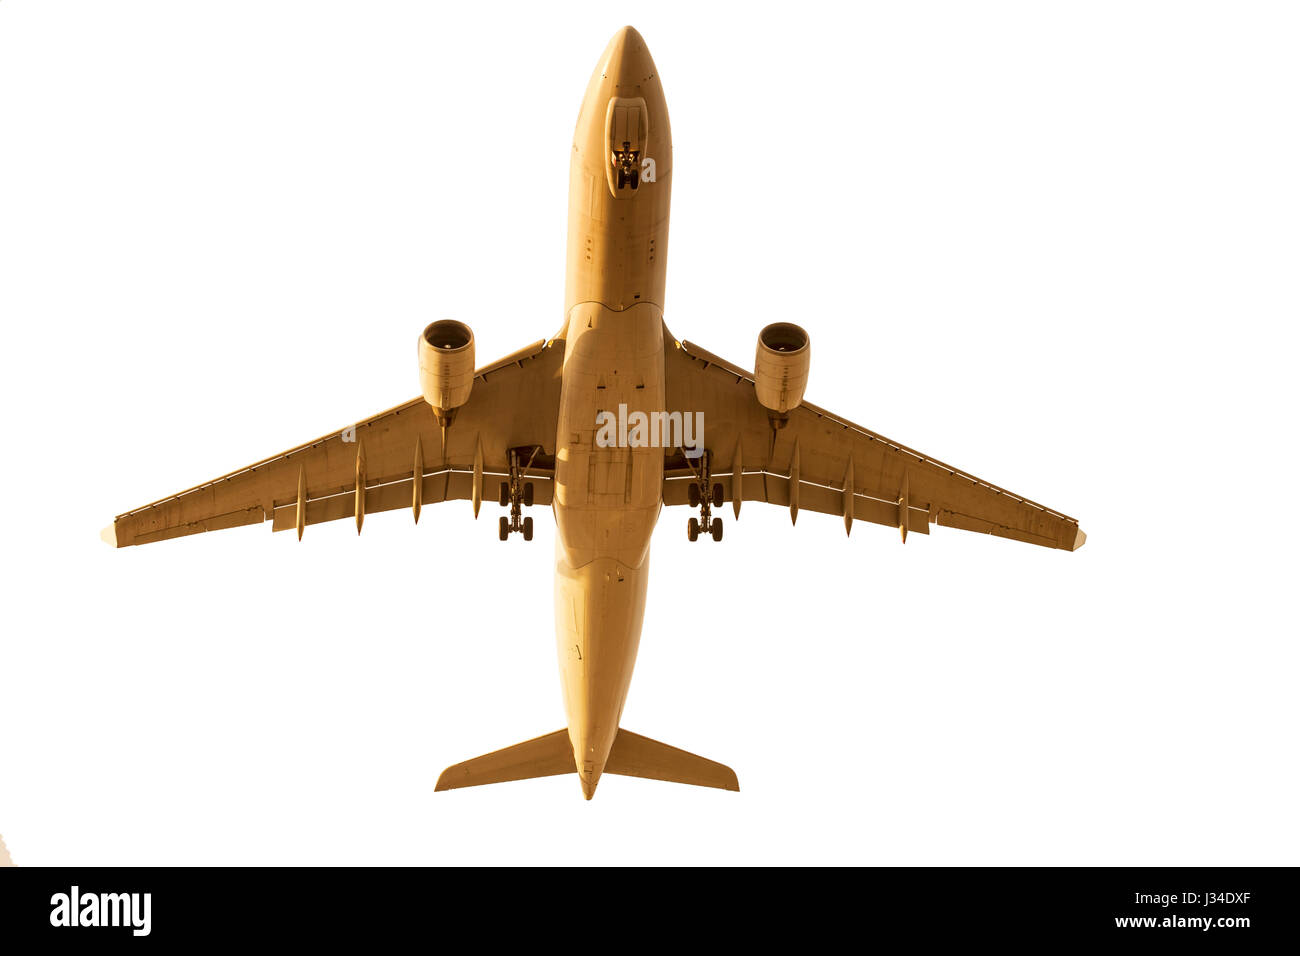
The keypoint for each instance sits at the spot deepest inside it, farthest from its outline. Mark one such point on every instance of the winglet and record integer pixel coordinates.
(109, 535)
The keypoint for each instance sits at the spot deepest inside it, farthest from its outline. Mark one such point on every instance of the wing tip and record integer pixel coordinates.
(1079, 539)
(109, 535)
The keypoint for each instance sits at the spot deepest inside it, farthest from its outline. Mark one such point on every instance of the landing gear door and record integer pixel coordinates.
(625, 131)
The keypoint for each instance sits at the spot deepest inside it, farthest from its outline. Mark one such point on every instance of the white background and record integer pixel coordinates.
(1055, 245)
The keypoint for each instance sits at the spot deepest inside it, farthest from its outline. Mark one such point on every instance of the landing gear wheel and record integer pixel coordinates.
(693, 528)
(503, 529)
(503, 496)
(528, 494)
(716, 528)
(717, 496)
(528, 529)
(693, 495)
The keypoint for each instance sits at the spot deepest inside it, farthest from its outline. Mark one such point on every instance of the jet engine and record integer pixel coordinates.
(446, 367)
(781, 367)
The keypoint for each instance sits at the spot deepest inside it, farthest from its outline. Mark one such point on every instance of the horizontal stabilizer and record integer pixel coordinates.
(635, 756)
(539, 757)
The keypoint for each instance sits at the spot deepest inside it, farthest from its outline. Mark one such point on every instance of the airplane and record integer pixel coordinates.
(537, 428)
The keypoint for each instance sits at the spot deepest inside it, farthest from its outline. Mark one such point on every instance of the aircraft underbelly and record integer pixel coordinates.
(609, 481)
(598, 610)
(608, 478)
(608, 492)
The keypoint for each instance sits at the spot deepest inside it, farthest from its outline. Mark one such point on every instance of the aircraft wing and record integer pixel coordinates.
(375, 464)
(821, 462)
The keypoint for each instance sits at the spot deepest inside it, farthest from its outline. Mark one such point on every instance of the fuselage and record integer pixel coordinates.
(607, 499)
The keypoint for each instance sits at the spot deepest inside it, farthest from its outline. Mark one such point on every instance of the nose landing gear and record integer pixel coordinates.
(627, 165)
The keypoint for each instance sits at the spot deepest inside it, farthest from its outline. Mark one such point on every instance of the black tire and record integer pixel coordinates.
(528, 494)
(717, 496)
(503, 529)
(692, 529)
(716, 529)
(528, 529)
(693, 496)
(503, 495)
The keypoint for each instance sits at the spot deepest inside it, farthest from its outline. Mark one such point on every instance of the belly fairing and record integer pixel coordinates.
(607, 497)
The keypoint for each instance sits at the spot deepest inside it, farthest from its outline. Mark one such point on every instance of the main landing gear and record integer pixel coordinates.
(706, 496)
(518, 494)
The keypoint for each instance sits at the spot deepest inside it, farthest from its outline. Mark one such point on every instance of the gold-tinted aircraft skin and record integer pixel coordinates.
(528, 425)
(607, 500)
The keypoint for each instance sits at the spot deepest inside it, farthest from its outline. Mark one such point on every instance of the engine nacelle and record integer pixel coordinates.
(781, 367)
(446, 367)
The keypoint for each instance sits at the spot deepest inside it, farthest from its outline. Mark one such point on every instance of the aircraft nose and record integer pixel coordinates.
(627, 59)
(626, 34)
